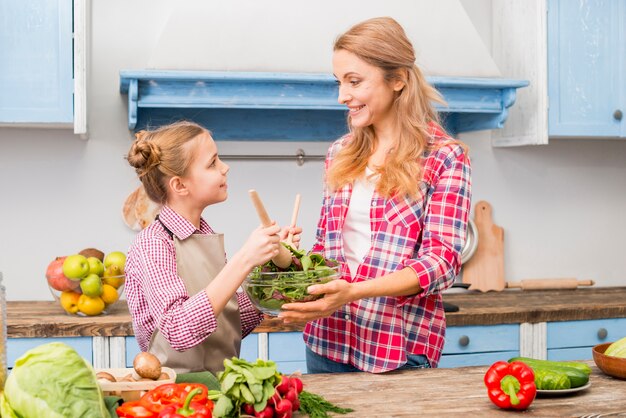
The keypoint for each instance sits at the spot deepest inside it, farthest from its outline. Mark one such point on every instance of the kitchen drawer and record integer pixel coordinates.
(16, 347)
(288, 350)
(584, 333)
(570, 354)
(476, 359)
(249, 349)
(482, 339)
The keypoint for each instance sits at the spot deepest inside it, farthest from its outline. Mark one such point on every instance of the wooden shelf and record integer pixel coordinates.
(289, 106)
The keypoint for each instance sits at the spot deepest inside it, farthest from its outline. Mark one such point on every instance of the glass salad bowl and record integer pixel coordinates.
(269, 290)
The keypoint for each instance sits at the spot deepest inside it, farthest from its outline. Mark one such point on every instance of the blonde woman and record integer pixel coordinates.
(395, 212)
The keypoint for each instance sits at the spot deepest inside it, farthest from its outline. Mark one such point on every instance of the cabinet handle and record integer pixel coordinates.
(617, 115)
(464, 341)
(602, 333)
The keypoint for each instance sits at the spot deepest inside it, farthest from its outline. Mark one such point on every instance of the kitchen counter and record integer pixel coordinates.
(28, 319)
(455, 392)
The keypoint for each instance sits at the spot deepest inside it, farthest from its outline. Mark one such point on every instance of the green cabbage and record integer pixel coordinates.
(52, 381)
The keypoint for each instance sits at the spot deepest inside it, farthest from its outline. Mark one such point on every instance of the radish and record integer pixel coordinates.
(283, 386)
(283, 408)
(294, 382)
(268, 412)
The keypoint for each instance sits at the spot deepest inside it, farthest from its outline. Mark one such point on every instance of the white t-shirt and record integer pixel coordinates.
(357, 229)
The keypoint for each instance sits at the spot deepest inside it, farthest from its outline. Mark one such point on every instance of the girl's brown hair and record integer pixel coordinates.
(162, 153)
(382, 42)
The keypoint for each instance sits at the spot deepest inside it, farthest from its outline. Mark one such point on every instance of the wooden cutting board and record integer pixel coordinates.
(485, 270)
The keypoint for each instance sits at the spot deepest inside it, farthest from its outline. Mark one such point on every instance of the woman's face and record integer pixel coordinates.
(362, 87)
(206, 176)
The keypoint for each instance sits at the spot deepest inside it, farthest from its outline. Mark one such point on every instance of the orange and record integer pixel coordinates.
(109, 294)
(90, 305)
(69, 301)
(115, 281)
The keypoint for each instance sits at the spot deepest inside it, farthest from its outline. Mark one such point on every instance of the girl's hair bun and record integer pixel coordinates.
(144, 154)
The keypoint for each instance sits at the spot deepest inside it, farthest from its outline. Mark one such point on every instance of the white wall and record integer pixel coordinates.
(561, 205)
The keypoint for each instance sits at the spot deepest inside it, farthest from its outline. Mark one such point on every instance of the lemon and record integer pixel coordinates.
(109, 294)
(69, 301)
(90, 305)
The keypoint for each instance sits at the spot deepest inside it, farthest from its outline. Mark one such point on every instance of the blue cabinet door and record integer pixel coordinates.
(36, 80)
(16, 347)
(573, 340)
(586, 67)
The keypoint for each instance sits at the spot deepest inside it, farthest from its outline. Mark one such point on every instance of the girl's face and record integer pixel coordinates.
(362, 87)
(206, 176)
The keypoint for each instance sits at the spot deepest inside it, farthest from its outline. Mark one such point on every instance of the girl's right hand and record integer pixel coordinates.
(262, 245)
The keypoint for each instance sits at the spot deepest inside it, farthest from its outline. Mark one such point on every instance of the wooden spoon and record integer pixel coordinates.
(283, 259)
(294, 219)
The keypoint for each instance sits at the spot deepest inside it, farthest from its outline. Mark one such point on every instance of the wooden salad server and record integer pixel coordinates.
(294, 219)
(283, 259)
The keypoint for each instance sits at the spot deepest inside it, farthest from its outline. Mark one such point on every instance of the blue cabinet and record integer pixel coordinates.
(480, 345)
(587, 68)
(573, 340)
(16, 347)
(36, 80)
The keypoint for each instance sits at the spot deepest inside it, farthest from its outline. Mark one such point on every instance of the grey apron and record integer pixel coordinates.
(199, 258)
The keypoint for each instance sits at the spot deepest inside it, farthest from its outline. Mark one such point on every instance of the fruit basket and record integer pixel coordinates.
(269, 290)
(87, 283)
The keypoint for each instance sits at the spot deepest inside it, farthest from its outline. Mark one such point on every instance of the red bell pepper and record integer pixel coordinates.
(163, 396)
(134, 410)
(188, 408)
(511, 385)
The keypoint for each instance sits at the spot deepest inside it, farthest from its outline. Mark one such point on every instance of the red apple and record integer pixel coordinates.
(56, 278)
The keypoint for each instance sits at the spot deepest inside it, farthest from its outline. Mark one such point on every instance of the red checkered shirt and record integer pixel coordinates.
(426, 235)
(157, 297)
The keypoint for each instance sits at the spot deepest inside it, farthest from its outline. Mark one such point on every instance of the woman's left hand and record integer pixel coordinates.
(295, 239)
(336, 294)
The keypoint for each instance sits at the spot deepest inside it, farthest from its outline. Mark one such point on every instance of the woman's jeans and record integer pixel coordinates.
(320, 364)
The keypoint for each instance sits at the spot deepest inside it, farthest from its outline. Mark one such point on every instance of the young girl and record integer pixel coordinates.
(181, 293)
(395, 211)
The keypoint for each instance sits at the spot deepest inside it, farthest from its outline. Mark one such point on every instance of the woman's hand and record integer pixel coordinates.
(295, 231)
(336, 294)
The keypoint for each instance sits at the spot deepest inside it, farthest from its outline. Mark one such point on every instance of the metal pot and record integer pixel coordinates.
(471, 243)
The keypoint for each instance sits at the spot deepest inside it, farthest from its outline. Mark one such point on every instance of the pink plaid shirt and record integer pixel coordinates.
(157, 297)
(427, 235)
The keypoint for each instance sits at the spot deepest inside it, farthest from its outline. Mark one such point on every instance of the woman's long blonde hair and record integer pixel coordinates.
(382, 42)
(162, 153)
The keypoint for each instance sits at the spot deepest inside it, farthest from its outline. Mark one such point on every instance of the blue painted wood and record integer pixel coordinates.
(132, 349)
(475, 359)
(16, 347)
(569, 354)
(286, 346)
(250, 347)
(289, 367)
(570, 334)
(482, 339)
(36, 80)
(586, 67)
(289, 106)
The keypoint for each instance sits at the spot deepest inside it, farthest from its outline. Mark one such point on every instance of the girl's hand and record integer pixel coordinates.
(262, 245)
(295, 239)
(336, 294)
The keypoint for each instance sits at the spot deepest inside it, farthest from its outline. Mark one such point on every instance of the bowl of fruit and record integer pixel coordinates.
(269, 287)
(87, 283)
(611, 358)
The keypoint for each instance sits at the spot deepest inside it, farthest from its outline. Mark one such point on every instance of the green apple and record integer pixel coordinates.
(95, 266)
(116, 258)
(75, 267)
(91, 285)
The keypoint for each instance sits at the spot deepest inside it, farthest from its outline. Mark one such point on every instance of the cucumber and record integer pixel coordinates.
(546, 379)
(576, 375)
(548, 363)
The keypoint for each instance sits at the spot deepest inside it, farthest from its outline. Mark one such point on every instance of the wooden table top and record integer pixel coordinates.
(455, 392)
(47, 319)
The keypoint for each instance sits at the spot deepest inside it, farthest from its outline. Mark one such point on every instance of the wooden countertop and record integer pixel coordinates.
(26, 319)
(455, 392)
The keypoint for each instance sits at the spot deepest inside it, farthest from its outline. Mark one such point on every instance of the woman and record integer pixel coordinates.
(395, 211)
